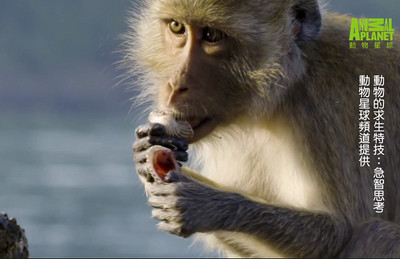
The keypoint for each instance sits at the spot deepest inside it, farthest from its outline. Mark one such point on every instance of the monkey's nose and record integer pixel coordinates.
(176, 92)
(182, 89)
(178, 87)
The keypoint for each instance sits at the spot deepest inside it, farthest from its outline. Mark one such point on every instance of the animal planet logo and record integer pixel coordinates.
(377, 31)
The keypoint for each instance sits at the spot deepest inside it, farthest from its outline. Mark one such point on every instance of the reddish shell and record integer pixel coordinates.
(163, 161)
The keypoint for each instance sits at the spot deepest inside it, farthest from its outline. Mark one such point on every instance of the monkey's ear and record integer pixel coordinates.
(307, 20)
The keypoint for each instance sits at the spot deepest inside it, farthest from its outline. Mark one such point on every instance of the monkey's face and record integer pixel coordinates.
(203, 59)
(198, 86)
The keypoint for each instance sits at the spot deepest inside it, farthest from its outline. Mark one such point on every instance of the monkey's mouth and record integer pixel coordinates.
(195, 123)
(201, 127)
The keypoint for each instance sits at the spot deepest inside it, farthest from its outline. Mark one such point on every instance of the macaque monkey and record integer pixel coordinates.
(270, 89)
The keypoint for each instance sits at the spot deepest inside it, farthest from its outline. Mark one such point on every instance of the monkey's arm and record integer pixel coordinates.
(187, 203)
(185, 206)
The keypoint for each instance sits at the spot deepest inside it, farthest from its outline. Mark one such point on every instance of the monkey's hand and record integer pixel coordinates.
(186, 206)
(149, 135)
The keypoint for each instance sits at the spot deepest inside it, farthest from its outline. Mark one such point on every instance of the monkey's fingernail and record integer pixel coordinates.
(181, 156)
(150, 178)
(180, 144)
(157, 130)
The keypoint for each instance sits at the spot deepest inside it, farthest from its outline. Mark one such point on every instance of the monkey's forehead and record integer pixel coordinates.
(231, 15)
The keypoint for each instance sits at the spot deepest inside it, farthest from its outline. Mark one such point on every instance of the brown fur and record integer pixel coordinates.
(280, 74)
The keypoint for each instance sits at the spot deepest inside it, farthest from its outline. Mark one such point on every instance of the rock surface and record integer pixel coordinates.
(13, 243)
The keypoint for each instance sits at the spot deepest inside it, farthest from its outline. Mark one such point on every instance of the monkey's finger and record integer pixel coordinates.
(157, 129)
(162, 202)
(175, 176)
(141, 144)
(146, 179)
(170, 142)
(142, 172)
(153, 129)
(173, 228)
(143, 131)
(162, 189)
(143, 180)
(170, 227)
(140, 157)
(181, 156)
(166, 215)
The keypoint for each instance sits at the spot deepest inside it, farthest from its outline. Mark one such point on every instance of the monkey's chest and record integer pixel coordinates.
(267, 165)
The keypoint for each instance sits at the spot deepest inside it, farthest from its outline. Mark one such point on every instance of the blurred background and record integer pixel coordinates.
(66, 129)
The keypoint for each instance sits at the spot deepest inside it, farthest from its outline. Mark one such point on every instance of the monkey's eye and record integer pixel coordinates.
(213, 35)
(176, 27)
